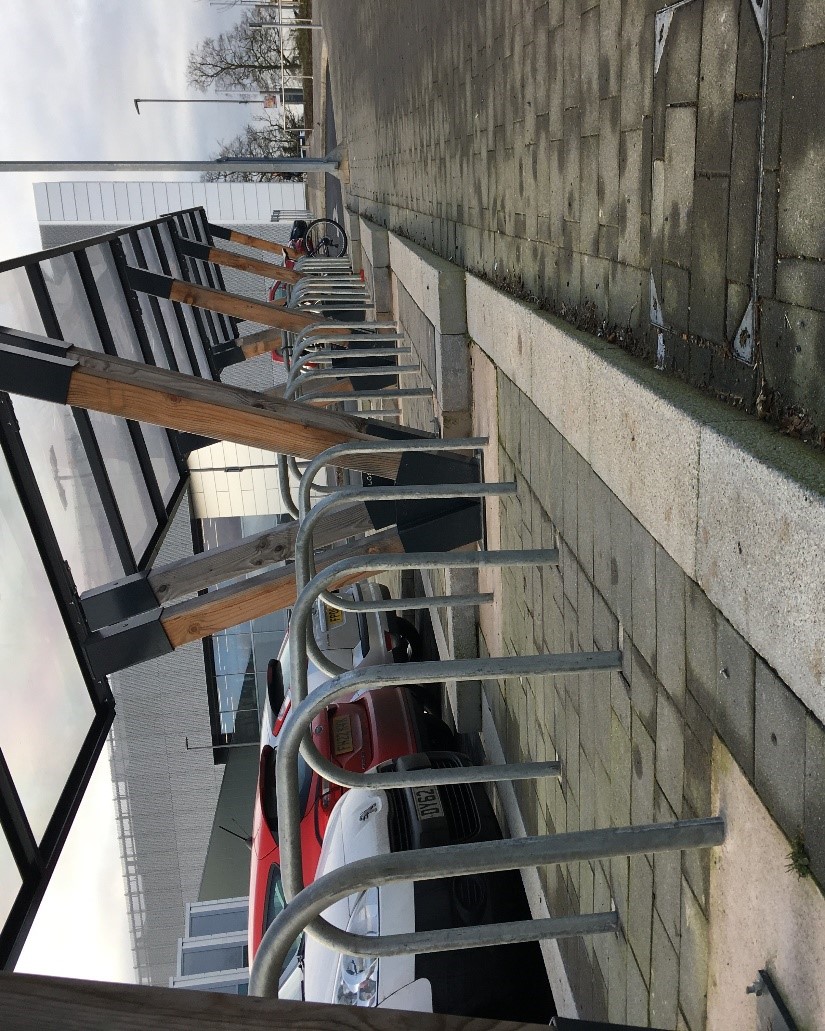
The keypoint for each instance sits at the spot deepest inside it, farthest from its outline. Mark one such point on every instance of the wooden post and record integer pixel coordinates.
(228, 606)
(31, 1002)
(197, 572)
(235, 236)
(263, 341)
(144, 393)
(237, 305)
(254, 265)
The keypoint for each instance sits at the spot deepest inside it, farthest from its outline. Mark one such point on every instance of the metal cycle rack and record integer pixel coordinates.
(302, 913)
(305, 905)
(372, 342)
(306, 706)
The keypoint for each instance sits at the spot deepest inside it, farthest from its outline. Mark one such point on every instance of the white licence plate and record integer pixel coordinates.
(334, 616)
(341, 735)
(427, 803)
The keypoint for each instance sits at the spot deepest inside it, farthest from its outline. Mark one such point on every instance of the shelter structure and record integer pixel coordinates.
(111, 350)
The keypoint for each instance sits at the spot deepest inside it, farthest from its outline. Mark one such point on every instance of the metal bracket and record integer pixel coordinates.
(744, 341)
(34, 366)
(663, 20)
(117, 601)
(771, 1012)
(760, 10)
(125, 644)
(657, 317)
(146, 282)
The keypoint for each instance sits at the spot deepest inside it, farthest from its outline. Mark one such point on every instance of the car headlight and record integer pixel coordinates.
(357, 976)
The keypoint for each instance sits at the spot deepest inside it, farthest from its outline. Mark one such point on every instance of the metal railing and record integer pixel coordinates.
(306, 904)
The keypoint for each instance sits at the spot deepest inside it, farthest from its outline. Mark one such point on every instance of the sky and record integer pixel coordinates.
(69, 70)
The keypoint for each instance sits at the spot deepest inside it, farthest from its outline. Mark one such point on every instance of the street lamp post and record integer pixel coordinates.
(193, 100)
(328, 163)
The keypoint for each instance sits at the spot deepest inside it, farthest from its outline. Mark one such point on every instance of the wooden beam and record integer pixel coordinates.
(29, 1001)
(240, 307)
(235, 236)
(263, 341)
(197, 572)
(333, 386)
(228, 606)
(144, 393)
(254, 265)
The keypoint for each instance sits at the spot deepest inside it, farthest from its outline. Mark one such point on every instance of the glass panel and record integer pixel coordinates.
(10, 880)
(122, 203)
(41, 202)
(238, 202)
(45, 693)
(214, 958)
(135, 204)
(74, 315)
(59, 460)
(125, 337)
(232, 652)
(55, 202)
(69, 205)
(188, 314)
(147, 196)
(95, 201)
(107, 195)
(162, 206)
(81, 199)
(152, 331)
(173, 197)
(186, 196)
(199, 194)
(170, 319)
(71, 306)
(218, 922)
(267, 646)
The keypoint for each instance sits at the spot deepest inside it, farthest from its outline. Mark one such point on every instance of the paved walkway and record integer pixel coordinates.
(533, 142)
(535, 145)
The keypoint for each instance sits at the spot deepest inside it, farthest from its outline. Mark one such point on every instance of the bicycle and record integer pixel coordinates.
(323, 238)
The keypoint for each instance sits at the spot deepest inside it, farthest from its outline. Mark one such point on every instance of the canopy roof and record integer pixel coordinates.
(85, 499)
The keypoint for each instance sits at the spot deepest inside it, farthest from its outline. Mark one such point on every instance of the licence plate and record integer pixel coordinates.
(341, 734)
(334, 616)
(427, 803)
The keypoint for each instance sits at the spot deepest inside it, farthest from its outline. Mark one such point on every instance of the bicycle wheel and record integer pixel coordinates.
(325, 238)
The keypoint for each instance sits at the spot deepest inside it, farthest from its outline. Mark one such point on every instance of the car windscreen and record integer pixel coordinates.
(269, 802)
(275, 903)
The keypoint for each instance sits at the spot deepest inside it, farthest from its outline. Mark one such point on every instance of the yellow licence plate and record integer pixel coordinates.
(341, 734)
(334, 616)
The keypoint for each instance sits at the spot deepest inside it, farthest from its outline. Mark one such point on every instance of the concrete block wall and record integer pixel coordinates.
(667, 555)
(375, 258)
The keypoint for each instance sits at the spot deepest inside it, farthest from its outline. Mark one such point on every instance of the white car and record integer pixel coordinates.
(350, 640)
(501, 982)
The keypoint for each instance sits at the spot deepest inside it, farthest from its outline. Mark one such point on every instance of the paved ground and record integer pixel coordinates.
(533, 142)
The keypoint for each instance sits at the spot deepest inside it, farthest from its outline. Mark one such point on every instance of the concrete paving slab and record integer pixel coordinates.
(779, 750)
(762, 915)
(754, 556)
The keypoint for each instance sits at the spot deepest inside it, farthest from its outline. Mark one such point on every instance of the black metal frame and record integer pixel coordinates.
(213, 334)
(97, 650)
(36, 862)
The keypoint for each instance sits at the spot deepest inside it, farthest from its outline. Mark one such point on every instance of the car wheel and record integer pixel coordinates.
(409, 648)
(441, 738)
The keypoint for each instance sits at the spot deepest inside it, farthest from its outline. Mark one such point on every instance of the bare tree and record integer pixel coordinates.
(243, 58)
(262, 138)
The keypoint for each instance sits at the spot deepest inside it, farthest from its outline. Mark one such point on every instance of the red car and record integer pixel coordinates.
(356, 734)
